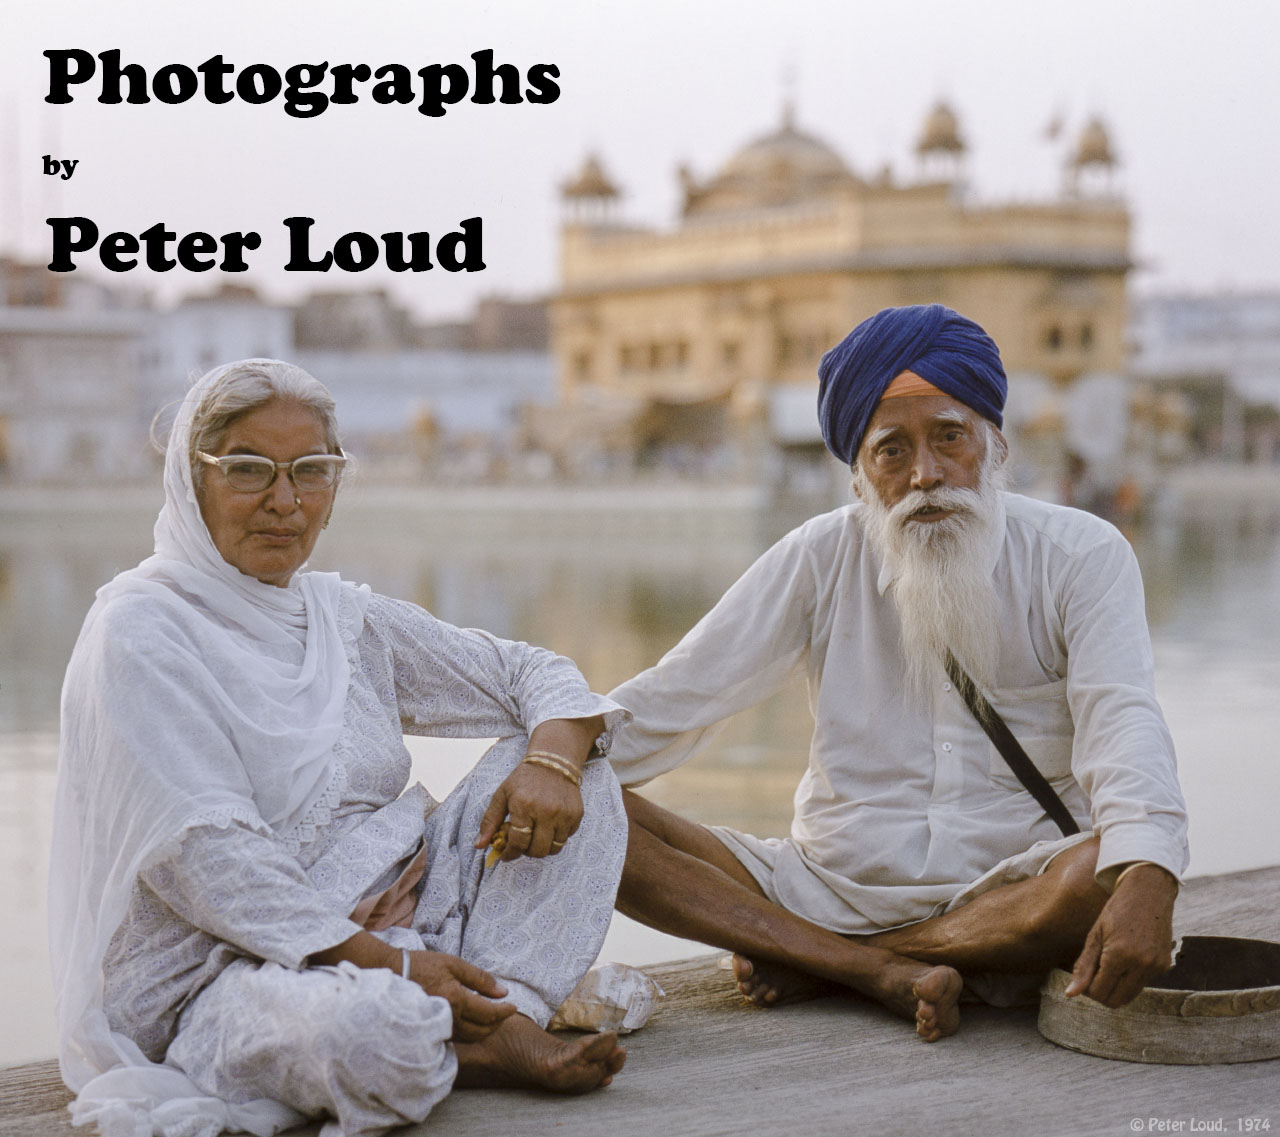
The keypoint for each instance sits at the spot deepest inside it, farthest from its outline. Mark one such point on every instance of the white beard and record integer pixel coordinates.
(942, 584)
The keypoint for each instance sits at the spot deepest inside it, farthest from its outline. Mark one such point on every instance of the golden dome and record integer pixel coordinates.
(590, 182)
(941, 132)
(1094, 146)
(784, 166)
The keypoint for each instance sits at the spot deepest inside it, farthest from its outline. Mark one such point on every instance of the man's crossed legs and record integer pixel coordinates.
(681, 879)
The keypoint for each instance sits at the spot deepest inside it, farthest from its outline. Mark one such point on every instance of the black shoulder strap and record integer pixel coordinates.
(1010, 748)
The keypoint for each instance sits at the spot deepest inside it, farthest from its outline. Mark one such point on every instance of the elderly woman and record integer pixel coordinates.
(253, 921)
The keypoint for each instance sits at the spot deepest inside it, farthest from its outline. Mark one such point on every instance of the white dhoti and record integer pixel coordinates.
(759, 855)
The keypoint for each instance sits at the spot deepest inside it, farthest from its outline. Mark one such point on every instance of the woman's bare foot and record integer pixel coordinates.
(775, 985)
(521, 1053)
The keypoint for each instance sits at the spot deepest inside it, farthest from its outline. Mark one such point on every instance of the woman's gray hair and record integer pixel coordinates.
(244, 387)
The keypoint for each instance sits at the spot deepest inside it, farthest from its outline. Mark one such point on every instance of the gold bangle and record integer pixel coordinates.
(557, 763)
(561, 766)
(550, 756)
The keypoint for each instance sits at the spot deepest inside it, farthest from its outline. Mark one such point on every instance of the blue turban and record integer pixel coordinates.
(939, 345)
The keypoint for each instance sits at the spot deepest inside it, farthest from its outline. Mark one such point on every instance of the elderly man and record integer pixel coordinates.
(918, 864)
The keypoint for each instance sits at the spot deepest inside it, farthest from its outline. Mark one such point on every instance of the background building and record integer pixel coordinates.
(708, 329)
(200, 332)
(69, 375)
(691, 351)
(1213, 361)
(85, 367)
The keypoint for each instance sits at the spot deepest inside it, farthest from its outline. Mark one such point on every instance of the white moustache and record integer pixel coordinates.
(958, 501)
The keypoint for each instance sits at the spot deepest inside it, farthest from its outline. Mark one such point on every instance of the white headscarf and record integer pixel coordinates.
(195, 695)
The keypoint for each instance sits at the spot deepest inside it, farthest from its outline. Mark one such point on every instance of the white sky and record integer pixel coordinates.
(1189, 89)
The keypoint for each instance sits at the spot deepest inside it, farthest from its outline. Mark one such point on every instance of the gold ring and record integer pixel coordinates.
(557, 844)
(520, 828)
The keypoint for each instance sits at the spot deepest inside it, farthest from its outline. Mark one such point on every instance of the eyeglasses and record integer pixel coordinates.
(250, 473)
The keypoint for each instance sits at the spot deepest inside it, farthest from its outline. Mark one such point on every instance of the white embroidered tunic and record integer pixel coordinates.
(234, 891)
(906, 802)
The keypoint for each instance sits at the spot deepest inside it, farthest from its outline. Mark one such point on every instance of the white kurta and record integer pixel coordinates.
(905, 802)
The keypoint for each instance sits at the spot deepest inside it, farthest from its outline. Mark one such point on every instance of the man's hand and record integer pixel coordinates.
(1131, 941)
(470, 992)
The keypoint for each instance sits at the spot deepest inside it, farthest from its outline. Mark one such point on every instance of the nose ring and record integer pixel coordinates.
(297, 500)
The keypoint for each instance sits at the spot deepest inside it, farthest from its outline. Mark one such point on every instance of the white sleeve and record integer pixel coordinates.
(462, 683)
(737, 655)
(243, 888)
(1122, 753)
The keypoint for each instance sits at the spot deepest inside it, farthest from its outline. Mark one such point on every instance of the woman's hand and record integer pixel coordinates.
(470, 991)
(539, 809)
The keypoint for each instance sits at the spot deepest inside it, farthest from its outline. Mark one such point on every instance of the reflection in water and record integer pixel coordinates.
(615, 603)
(1215, 582)
(615, 600)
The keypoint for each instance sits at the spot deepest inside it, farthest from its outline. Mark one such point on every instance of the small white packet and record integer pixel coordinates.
(611, 996)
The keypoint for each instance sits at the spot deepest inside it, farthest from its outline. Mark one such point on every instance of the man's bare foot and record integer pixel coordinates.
(924, 992)
(774, 985)
(521, 1053)
(929, 994)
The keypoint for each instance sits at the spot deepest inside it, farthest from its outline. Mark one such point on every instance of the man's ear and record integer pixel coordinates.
(853, 485)
(1000, 442)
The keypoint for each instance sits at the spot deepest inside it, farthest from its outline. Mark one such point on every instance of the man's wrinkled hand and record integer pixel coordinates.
(1131, 941)
(470, 991)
